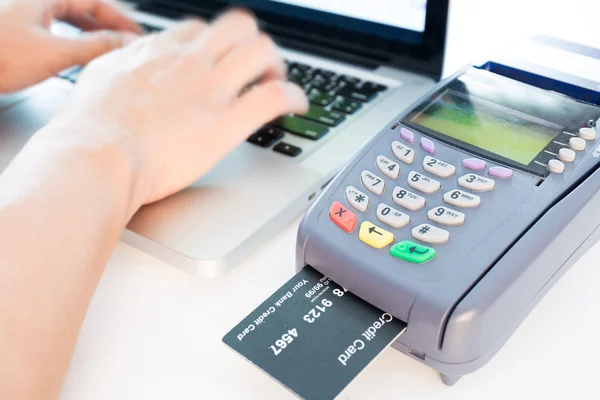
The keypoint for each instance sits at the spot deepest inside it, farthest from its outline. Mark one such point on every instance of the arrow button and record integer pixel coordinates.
(412, 252)
(374, 236)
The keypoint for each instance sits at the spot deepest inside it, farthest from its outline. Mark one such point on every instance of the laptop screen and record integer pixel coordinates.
(406, 14)
(398, 20)
(409, 34)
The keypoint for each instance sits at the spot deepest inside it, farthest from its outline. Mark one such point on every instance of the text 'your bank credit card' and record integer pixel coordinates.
(313, 336)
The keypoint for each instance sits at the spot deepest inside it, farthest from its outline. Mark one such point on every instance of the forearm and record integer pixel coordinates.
(62, 209)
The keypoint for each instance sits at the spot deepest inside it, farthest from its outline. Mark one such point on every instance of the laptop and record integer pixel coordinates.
(360, 63)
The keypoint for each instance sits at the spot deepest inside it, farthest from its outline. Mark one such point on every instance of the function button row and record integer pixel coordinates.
(408, 199)
(587, 133)
(577, 144)
(423, 183)
(500, 172)
(388, 167)
(462, 199)
(430, 234)
(446, 216)
(403, 153)
(438, 167)
(342, 217)
(357, 199)
(556, 166)
(392, 217)
(474, 163)
(407, 135)
(427, 145)
(566, 155)
(477, 183)
(372, 182)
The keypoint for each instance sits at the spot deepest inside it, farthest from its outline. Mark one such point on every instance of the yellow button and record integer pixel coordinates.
(375, 236)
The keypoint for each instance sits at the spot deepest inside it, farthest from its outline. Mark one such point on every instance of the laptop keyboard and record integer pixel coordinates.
(333, 98)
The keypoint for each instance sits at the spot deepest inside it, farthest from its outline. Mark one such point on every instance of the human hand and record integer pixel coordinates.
(29, 53)
(170, 104)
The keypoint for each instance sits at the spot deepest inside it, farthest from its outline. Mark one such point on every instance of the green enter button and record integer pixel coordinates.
(412, 252)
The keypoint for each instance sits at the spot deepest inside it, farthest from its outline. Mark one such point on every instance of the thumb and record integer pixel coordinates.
(88, 46)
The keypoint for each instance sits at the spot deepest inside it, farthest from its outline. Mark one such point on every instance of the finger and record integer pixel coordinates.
(187, 31)
(263, 104)
(86, 47)
(226, 32)
(260, 59)
(105, 15)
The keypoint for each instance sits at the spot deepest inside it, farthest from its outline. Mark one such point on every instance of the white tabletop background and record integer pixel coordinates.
(153, 332)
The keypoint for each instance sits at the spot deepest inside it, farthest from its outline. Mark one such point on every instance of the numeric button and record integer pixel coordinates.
(388, 167)
(357, 199)
(446, 216)
(392, 217)
(403, 153)
(408, 199)
(372, 182)
(423, 183)
(438, 167)
(430, 234)
(477, 183)
(462, 199)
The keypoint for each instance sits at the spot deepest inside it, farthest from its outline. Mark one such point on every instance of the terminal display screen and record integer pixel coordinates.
(502, 119)
(488, 126)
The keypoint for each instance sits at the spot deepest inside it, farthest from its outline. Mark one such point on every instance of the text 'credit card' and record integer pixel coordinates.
(313, 336)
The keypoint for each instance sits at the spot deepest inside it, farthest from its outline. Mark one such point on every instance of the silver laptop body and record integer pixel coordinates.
(213, 225)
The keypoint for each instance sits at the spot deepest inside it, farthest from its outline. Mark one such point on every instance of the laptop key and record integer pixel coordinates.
(287, 149)
(375, 86)
(345, 105)
(300, 66)
(266, 137)
(363, 93)
(325, 73)
(319, 114)
(350, 79)
(320, 98)
(324, 85)
(301, 127)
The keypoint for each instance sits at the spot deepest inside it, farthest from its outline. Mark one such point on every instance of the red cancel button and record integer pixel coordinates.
(342, 217)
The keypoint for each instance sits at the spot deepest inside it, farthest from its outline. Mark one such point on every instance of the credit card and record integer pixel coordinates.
(313, 336)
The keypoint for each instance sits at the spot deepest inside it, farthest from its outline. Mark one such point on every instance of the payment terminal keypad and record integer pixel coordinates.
(409, 201)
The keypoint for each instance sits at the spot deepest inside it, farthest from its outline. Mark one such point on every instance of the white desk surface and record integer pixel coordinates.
(153, 332)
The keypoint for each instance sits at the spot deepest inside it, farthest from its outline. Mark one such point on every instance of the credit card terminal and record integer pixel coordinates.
(463, 212)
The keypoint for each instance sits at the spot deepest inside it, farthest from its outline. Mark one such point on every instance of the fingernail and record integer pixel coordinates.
(128, 38)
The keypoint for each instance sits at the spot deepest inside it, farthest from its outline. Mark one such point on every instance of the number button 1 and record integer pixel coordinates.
(388, 167)
(392, 217)
(372, 182)
(403, 153)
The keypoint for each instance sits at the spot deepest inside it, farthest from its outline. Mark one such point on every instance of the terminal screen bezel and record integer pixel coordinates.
(566, 128)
